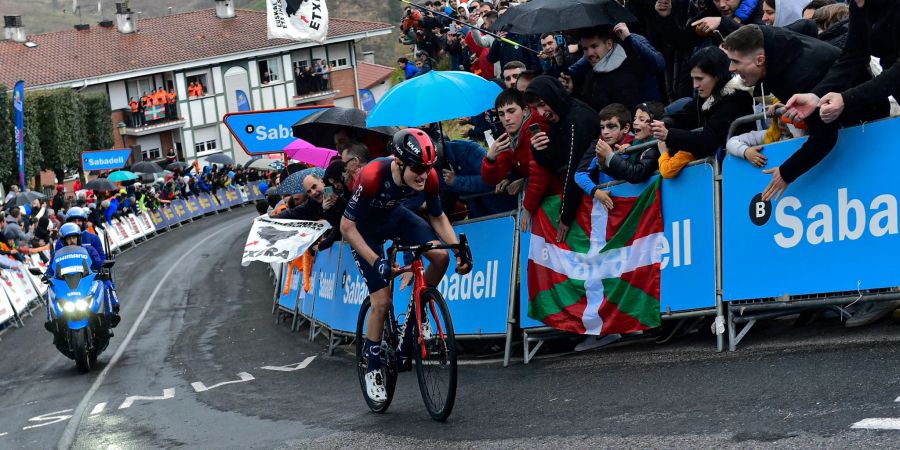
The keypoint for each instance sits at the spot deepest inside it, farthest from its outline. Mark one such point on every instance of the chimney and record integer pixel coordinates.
(124, 20)
(13, 29)
(225, 9)
(369, 57)
(106, 23)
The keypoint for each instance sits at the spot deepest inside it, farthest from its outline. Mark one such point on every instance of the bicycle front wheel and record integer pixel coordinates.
(437, 369)
(388, 359)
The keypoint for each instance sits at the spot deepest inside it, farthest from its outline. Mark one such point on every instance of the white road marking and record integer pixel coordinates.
(98, 408)
(200, 387)
(875, 423)
(49, 416)
(3, 434)
(897, 400)
(167, 394)
(291, 367)
(68, 436)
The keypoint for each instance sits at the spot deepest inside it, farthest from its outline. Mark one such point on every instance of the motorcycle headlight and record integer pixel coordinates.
(69, 307)
(81, 305)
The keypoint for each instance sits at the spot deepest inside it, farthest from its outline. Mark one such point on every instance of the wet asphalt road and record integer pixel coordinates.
(206, 367)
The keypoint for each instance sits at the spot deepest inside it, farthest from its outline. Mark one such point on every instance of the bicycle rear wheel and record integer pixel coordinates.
(388, 358)
(437, 370)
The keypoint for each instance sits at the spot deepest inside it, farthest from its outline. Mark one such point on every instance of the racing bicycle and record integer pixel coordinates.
(425, 333)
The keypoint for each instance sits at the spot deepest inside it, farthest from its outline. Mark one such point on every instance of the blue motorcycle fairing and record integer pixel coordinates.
(88, 285)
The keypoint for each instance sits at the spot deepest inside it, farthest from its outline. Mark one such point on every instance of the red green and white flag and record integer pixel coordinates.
(605, 277)
(155, 112)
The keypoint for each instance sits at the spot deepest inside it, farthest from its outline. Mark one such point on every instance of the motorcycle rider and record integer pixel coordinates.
(70, 235)
(79, 216)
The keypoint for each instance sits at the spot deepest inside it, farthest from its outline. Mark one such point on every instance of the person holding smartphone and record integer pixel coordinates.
(507, 164)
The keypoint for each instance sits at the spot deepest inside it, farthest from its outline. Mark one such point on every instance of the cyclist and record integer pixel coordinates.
(375, 214)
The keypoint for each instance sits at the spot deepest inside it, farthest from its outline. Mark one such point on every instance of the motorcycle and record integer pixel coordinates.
(76, 312)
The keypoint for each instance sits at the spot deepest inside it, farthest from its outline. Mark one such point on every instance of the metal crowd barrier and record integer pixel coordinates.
(728, 311)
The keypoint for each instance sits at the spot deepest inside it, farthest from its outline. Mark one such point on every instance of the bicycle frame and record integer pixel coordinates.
(417, 268)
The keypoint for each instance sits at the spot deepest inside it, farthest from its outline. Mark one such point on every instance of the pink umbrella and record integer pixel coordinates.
(303, 151)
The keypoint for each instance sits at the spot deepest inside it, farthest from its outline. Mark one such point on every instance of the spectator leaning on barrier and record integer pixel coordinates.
(785, 63)
(572, 125)
(615, 123)
(721, 98)
(508, 161)
(461, 174)
(15, 233)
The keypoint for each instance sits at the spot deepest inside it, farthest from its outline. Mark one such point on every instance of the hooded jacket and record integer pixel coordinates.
(713, 115)
(836, 34)
(788, 11)
(569, 137)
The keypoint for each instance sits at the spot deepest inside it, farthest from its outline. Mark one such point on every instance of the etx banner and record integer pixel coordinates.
(688, 265)
(104, 159)
(19, 128)
(269, 131)
(479, 300)
(835, 229)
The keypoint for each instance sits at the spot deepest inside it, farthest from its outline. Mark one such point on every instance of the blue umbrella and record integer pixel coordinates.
(122, 175)
(294, 183)
(433, 97)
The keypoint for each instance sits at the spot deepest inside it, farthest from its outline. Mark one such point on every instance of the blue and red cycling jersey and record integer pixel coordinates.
(377, 195)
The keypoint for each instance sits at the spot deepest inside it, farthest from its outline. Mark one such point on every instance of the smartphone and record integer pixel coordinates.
(497, 129)
(453, 28)
(534, 129)
(329, 191)
(560, 40)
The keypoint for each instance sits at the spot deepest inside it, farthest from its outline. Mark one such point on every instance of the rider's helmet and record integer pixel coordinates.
(70, 229)
(76, 213)
(414, 148)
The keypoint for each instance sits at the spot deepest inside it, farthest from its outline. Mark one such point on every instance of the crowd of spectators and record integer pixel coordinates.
(31, 227)
(156, 106)
(312, 79)
(574, 101)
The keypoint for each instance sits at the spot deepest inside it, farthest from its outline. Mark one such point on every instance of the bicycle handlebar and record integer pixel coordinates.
(463, 247)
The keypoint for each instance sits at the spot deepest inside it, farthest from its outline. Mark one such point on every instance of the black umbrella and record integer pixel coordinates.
(146, 167)
(546, 16)
(24, 198)
(220, 158)
(178, 165)
(100, 184)
(318, 129)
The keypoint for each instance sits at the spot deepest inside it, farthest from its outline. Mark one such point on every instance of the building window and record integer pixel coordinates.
(139, 87)
(205, 146)
(151, 154)
(198, 85)
(340, 62)
(269, 70)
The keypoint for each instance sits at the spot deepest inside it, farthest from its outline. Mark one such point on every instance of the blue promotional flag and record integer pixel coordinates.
(367, 99)
(19, 118)
(243, 103)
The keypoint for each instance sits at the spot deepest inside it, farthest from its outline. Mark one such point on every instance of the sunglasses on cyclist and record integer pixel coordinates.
(418, 169)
